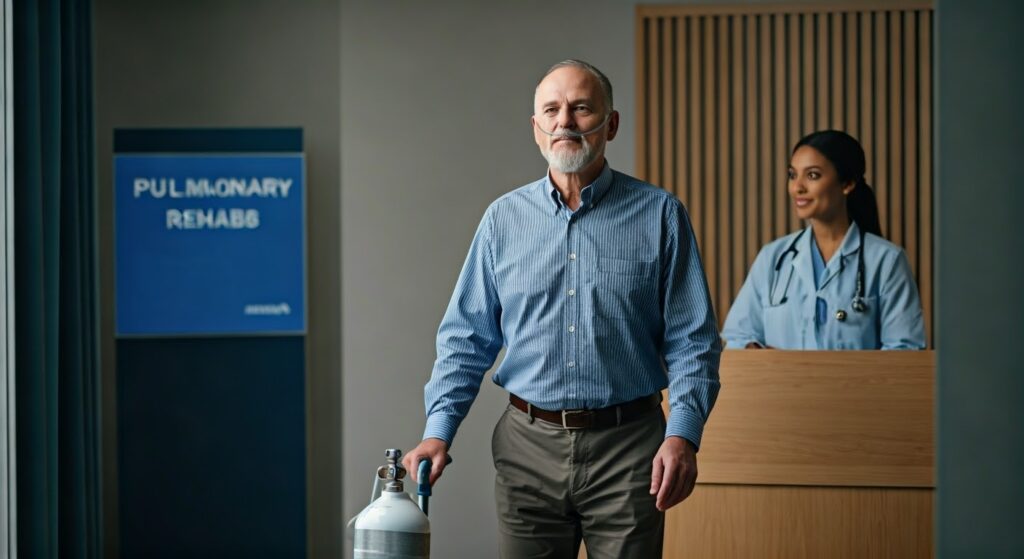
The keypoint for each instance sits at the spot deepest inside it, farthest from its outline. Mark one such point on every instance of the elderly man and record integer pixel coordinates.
(592, 281)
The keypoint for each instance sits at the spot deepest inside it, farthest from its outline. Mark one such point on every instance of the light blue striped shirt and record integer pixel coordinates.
(595, 307)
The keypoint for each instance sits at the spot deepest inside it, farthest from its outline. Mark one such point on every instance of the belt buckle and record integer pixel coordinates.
(566, 413)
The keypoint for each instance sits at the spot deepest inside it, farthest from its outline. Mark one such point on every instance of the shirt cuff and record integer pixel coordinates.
(441, 426)
(685, 425)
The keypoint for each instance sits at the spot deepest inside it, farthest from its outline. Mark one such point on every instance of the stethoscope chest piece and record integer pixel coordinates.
(858, 304)
(841, 315)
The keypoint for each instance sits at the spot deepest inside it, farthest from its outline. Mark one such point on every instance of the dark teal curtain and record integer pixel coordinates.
(58, 459)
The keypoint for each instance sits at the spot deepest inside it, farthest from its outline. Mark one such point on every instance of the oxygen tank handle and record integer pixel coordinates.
(423, 478)
(423, 482)
(423, 475)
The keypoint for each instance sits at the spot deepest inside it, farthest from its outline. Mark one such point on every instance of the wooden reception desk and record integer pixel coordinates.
(814, 454)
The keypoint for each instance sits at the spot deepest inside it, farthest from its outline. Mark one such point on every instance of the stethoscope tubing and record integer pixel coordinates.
(858, 299)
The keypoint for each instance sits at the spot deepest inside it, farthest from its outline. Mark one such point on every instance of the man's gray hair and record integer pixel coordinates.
(606, 84)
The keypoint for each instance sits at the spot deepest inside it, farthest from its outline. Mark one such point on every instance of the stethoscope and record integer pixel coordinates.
(858, 304)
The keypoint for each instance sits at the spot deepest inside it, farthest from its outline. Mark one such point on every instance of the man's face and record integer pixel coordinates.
(570, 100)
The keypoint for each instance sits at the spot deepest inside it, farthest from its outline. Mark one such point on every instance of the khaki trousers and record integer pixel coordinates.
(555, 488)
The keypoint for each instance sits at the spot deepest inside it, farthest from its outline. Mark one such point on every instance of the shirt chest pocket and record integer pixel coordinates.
(625, 288)
(857, 330)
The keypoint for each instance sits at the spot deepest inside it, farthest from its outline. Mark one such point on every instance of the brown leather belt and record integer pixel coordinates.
(586, 419)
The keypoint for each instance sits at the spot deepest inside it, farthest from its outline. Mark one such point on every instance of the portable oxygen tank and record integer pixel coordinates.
(392, 526)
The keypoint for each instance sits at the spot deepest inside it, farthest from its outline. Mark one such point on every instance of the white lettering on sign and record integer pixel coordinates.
(219, 187)
(268, 310)
(210, 218)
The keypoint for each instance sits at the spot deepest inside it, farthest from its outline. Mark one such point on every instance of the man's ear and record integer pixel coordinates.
(613, 125)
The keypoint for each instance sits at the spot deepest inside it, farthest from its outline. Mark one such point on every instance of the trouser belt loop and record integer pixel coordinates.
(618, 415)
(529, 411)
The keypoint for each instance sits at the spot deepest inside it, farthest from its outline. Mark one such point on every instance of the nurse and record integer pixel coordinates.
(837, 284)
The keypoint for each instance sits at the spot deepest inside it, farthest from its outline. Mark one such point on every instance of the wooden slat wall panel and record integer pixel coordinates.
(725, 91)
(910, 163)
(880, 159)
(893, 229)
(723, 195)
(667, 79)
(924, 256)
(838, 93)
(710, 183)
(850, 61)
(750, 177)
(867, 98)
(737, 200)
(654, 118)
(696, 125)
(770, 186)
(795, 95)
(682, 92)
(821, 58)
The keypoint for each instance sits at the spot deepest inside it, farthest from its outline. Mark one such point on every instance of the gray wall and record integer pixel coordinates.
(980, 197)
(436, 99)
(235, 63)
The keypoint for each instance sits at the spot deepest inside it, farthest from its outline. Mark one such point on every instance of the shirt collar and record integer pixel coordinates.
(852, 240)
(589, 196)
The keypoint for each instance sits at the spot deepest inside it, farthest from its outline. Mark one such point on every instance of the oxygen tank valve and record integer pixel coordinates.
(392, 472)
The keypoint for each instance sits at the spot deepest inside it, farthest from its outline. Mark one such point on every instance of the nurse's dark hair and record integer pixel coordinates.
(847, 156)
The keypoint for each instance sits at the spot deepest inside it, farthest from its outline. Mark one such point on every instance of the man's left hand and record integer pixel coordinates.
(674, 473)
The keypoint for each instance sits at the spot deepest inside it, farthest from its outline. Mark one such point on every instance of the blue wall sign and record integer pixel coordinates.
(209, 244)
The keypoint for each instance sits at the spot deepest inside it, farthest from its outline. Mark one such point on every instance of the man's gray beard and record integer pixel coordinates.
(570, 161)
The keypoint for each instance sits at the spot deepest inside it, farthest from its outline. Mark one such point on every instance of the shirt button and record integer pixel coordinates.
(572, 292)
(572, 328)
(571, 364)
(572, 256)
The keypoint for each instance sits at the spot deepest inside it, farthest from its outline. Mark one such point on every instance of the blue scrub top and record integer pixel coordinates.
(781, 309)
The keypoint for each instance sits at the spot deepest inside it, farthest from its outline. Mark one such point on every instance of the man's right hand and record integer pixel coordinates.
(434, 450)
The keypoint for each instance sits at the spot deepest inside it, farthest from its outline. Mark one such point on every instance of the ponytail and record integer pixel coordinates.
(863, 209)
